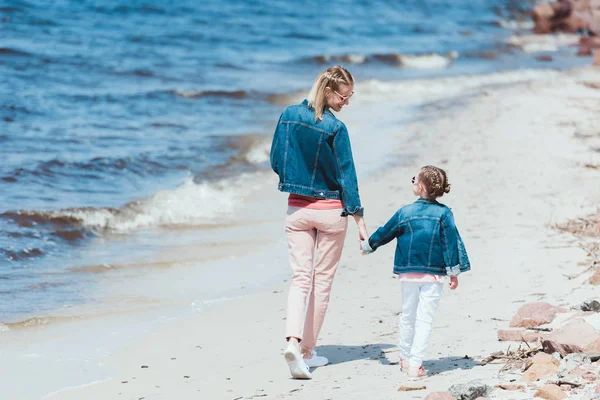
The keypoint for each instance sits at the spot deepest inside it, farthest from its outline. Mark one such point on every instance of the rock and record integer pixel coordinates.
(572, 362)
(596, 57)
(543, 358)
(597, 389)
(439, 396)
(595, 278)
(510, 386)
(577, 332)
(550, 392)
(517, 335)
(550, 347)
(539, 371)
(593, 355)
(470, 391)
(534, 314)
(586, 44)
(544, 58)
(589, 376)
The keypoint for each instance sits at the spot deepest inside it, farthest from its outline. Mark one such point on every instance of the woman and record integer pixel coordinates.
(311, 153)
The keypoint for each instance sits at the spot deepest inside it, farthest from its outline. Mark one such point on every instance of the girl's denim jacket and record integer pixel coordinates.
(314, 158)
(427, 240)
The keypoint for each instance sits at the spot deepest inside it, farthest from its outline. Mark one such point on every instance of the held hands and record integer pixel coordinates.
(362, 231)
(453, 282)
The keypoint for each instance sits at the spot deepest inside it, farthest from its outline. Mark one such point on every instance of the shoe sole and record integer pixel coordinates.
(296, 369)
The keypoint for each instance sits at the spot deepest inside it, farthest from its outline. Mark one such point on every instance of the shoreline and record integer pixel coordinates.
(362, 316)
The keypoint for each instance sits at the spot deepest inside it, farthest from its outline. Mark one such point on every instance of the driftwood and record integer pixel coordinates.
(535, 328)
(519, 358)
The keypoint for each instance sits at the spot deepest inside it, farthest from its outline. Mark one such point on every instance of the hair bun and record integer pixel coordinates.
(447, 188)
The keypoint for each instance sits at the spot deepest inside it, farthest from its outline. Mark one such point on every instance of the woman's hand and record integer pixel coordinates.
(453, 282)
(362, 228)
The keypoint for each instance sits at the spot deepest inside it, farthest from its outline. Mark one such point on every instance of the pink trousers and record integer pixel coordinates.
(315, 240)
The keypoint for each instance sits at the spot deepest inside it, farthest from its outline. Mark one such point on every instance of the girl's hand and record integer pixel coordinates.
(453, 282)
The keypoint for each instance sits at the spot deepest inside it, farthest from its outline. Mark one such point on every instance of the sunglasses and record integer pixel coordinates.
(344, 98)
(413, 180)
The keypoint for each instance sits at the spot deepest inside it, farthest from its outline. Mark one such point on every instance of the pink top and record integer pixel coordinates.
(296, 200)
(420, 277)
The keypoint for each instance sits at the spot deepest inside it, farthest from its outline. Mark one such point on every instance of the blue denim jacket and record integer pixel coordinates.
(315, 158)
(427, 240)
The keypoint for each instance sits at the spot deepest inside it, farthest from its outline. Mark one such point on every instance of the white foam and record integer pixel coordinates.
(419, 91)
(189, 204)
(426, 61)
(516, 25)
(538, 43)
(60, 391)
(259, 153)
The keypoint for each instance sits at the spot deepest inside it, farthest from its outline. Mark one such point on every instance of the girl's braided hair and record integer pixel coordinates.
(434, 180)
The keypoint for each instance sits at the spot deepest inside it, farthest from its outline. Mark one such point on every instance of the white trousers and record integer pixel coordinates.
(419, 303)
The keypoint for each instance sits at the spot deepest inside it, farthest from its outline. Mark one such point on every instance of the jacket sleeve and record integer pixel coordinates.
(453, 248)
(383, 235)
(348, 181)
(275, 145)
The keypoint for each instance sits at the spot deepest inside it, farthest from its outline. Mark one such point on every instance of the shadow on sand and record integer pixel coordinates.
(383, 352)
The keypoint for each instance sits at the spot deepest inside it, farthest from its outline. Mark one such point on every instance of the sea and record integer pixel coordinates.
(128, 128)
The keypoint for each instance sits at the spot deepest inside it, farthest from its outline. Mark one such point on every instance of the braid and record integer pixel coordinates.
(435, 181)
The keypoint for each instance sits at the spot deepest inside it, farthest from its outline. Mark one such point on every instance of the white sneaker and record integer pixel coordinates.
(298, 367)
(315, 360)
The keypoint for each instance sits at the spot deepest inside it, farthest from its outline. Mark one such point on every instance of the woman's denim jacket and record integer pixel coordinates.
(428, 241)
(314, 158)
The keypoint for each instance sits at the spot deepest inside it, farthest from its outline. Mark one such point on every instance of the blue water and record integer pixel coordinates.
(103, 104)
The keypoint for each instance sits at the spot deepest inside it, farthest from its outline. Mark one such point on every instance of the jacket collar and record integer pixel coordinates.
(325, 110)
(426, 201)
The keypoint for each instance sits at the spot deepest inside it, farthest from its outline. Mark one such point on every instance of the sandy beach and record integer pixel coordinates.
(515, 154)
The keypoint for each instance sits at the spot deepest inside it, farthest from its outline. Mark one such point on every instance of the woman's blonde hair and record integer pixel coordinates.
(332, 77)
(434, 180)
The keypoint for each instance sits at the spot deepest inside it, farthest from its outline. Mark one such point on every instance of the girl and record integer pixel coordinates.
(428, 248)
(311, 153)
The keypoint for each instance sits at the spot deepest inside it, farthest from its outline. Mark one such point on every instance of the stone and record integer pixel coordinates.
(592, 305)
(518, 335)
(539, 371)
(470, 391)
(544, 358)
(595, 278)
(544, 57)
(439, 396)
(589, 376)
(572, 363)
(510, 386)
(550, 347)
(596, 62)
(597, 390)
(534, 314)
(577, 332)
(550, 392)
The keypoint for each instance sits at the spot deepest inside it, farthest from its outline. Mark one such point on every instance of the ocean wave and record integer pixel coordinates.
(195, 94)
(206, 199)
(421, 91)
(429, 60)
(35, 322)
(16, 255)
(542, 43)
(190, 204)
(92, 169)
(7, 51)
